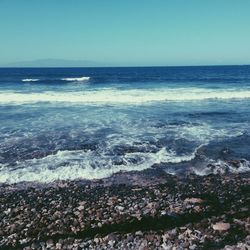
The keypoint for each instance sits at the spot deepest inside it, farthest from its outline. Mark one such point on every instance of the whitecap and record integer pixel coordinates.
(116, 96)
(30, 80)
(76, 79)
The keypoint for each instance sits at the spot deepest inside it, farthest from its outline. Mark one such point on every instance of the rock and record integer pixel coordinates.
(24, 241)
(49, 243)
(35, 245)
(58, 246)
(221, 226)
(96, 240)
(139, 233)
(120, 208)
(167, 246)
(81, 207)
(151, 205)
(77, 213)
(8, 211)
(173, 232)
(193, 200)
(239, 222)
(111, 243)
(193, 247)
(149, 237)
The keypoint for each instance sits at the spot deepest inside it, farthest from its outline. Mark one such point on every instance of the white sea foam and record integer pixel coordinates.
(76, 79)
(221, 167)
(30, 80)
(70, 165)
(115, 96)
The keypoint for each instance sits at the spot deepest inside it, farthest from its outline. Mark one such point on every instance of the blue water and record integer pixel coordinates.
(69, 123)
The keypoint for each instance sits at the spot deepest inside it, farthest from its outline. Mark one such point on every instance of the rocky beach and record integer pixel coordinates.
(130, 210)
(125, 158)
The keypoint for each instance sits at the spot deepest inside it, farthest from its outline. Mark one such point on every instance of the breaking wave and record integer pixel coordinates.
(70, 165)
(30, 80)
(116, 96)
(55, 80)
(76, 79)
(222, 167)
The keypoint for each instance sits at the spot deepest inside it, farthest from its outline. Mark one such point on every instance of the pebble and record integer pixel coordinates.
(221, 226)
(98, 216)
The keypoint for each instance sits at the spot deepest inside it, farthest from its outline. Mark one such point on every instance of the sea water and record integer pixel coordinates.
(70, 123)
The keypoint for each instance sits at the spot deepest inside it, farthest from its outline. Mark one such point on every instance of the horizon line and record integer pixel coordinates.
(121, 66)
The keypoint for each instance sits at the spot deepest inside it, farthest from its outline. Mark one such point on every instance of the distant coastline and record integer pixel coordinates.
(62, 63)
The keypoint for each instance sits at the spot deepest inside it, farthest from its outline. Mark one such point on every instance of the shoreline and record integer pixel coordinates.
(129, 210)
(141, 178)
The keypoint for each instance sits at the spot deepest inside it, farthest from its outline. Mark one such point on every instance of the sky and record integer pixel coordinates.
(126, 33)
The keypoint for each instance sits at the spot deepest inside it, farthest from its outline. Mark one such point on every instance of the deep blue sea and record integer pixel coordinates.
(70, 123)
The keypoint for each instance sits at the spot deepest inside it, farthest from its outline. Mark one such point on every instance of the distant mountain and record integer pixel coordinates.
(55, 63)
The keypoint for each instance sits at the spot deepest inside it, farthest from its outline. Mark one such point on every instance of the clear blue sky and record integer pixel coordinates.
(131, 32)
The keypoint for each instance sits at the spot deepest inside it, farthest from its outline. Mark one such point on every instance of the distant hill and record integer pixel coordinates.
(54, 63)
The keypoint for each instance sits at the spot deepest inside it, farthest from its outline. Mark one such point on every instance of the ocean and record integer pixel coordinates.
(71, 123)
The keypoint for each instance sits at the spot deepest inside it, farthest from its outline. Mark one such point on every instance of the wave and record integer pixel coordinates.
(115, 96)
(50, 80)
(79, 164)
(222, 167)
(30, 80)
(76, 79)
